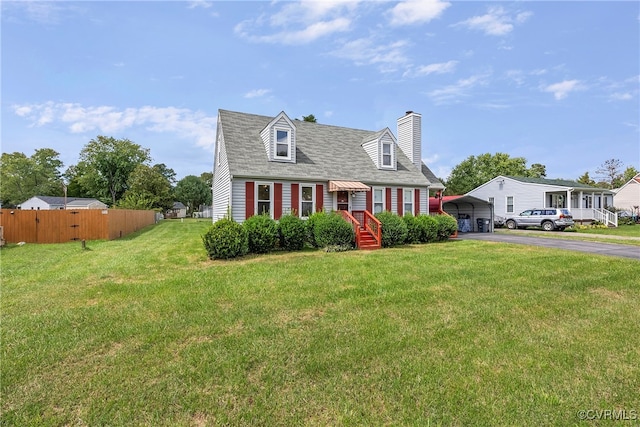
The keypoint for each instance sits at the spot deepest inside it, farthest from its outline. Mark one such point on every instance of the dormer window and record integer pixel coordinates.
(279, 138)
(283, 144)
(386, 154)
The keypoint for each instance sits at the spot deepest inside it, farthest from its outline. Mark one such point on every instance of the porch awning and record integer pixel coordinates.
(347, 186)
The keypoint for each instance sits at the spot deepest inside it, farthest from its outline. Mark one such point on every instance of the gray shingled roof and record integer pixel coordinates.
(323, 152)
(57, 200)
(559, 182)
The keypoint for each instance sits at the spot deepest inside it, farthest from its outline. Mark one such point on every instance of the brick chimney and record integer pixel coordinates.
(410, 137)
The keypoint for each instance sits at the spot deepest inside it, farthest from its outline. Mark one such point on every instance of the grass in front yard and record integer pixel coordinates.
(147, 331)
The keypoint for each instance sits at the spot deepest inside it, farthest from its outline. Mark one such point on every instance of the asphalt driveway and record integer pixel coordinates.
(600, 248)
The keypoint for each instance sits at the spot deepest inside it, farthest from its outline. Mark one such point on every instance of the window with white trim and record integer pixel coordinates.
(264, 200)
(283, 144)
(378, 200)
(509, 204)
(387, 155)
(307, 200)
(408, 200)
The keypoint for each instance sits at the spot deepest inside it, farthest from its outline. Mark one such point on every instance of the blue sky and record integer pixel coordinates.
(554, 82)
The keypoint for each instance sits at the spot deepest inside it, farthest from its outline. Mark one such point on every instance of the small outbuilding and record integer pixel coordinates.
(472, 214)
(56, 202)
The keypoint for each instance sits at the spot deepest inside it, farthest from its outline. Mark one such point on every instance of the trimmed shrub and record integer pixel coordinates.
(262, 233)
(394, 229)
(225, 239)
(310, 225)
(447, 225)
(333, 233)
(292, 233)
(428, 228)
(414, 229)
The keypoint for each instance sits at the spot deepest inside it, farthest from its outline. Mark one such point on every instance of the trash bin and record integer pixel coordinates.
(480, 222)
(487, 227)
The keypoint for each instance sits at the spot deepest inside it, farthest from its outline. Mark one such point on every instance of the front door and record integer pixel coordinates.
(342, 201)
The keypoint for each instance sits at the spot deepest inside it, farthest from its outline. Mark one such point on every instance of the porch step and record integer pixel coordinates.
(367, 241)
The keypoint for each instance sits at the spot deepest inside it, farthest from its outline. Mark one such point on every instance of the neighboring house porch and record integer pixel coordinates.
(512, 195)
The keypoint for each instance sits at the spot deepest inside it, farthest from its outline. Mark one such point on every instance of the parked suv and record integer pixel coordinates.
(548, 218)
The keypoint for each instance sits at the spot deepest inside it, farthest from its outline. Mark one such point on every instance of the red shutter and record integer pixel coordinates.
(277, 200)
(319, 197)
(370, 200)
(250, 200)
(388, 198)
(295, 199)
(399, 201)
(416, 202)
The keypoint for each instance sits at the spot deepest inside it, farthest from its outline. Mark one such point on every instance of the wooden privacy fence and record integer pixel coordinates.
(59, 226)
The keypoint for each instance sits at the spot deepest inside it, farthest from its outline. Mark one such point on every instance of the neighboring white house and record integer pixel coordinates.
(275, 166)
(55, 202)
(627, 197)
(511, 195)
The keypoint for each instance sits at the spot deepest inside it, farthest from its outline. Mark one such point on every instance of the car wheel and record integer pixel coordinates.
(547, 226)
(511, 225)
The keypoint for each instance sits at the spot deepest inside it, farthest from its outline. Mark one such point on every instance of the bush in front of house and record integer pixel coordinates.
(310, 225)
(394, 229)
(292, 232)
(428, 225)
(332, 232)
(262, 233)
(414, 229)
(447, 225)
(225, 239)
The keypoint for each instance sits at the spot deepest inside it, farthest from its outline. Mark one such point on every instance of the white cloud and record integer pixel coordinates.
(106, 119)
(496, 22)
(562, 89)
(199, 3)
(417, 11)
(367, 52)
(257, 93)
(620, 96)
(438, 68)
(299, 23)
(460, 89)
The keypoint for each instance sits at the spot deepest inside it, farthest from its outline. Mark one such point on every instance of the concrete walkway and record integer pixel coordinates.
(527, 237)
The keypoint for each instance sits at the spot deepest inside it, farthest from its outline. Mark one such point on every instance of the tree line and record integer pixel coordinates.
(117, 172)
(476, 170)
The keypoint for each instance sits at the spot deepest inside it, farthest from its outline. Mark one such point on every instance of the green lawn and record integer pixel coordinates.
(622, 230)
(146, 331)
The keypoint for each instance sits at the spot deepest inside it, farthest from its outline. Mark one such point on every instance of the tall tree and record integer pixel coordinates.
(193, 192)
(310, 118)
(475, 171)
(586, 180)
(109, 162)
(147, 189)
(610, 172)
(628, 175)
(207, 177)
(23, 177)
(167, 172)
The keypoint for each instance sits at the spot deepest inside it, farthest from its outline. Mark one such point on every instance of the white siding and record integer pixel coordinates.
(238, 199)
(628, 196)
(371, 148)
(36, 204)
(525, 196)
(410, 137)
(221, 182)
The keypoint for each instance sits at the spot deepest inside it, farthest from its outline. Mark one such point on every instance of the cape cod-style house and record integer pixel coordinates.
(276, 165)
(511, 195)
